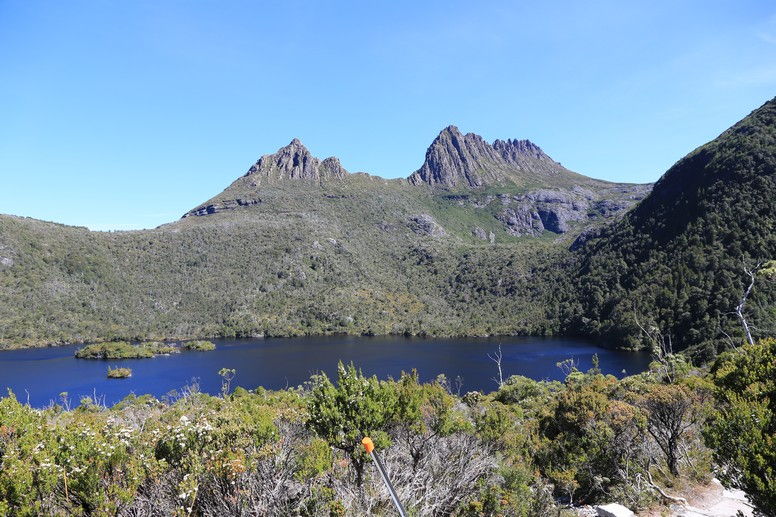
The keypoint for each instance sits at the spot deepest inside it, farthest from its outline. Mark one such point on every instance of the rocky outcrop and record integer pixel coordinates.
(458, 160)
(481, 234)
(424, 224)
(557, 210)
(535, 212)
(526, 155)
(221, 206)
(294, 162)
(521, 220)
(6, 257)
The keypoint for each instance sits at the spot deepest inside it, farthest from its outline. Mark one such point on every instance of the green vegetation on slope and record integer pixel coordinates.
(310, 260)
(742, 431)
(678, 261)
(525, 450)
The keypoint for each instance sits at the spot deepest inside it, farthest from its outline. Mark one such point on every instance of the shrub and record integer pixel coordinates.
(742, 432)
(358, 406)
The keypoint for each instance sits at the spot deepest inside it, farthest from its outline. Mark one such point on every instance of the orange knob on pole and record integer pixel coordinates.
(369, 447)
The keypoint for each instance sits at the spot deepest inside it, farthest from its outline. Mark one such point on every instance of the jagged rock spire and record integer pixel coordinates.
(294, 161)
(455, 159)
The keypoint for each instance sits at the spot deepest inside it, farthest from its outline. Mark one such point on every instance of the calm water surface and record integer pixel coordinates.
(41, 374)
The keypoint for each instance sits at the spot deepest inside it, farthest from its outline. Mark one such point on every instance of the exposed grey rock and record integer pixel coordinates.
(613, 510)
(528, 156)
(522, 220)
(458, 160)
(583, 237)
(6, 262)
(480, 233)
(331, 168)
(454, 159)
(294, 161)
(491, 237)
(386, 226)
(607, 207)
(424, 224)
(556, 209)
(221, 206)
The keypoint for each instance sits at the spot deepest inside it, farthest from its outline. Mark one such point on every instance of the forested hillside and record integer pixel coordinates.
(678, 261)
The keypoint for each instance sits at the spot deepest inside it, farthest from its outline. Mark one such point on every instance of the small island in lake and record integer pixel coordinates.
(200, 346)
(125, 350)
(119, 373)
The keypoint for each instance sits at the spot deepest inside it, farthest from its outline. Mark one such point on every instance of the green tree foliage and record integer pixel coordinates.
(589, 435)
(742, 432)
(357, 406)
(671, 411)
(678, 258)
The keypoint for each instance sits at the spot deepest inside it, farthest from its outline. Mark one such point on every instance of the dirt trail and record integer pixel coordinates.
(714, 501)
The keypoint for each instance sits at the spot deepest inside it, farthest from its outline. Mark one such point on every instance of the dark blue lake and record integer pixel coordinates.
(42, 374)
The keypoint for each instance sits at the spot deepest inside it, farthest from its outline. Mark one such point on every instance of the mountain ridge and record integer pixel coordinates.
(453, 162)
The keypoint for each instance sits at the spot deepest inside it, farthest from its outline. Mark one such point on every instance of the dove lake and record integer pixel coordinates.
(40, 375)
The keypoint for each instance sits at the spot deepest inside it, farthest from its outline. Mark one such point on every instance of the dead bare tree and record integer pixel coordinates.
(662, 347)
(568, 366)
(752, 274)
(497, 358)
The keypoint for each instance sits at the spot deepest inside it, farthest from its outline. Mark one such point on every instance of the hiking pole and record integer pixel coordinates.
(369, 446)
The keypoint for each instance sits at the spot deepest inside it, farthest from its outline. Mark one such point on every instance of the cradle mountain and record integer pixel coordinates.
(483, 238)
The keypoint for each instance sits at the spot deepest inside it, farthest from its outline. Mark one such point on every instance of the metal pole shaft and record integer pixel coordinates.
(391, 491)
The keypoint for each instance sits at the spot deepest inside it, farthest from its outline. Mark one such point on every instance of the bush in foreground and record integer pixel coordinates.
(526, 450)
(742, 431)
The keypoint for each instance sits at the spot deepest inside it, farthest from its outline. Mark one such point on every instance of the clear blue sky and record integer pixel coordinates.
(119, 115)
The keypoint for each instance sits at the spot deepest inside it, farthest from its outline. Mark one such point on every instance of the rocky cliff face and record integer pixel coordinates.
(554, 210)
(294, 162)
(455, 159)
(458, 160)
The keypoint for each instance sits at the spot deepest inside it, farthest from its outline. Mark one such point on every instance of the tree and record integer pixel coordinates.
(227, 375)
(425, 413)
(357, 406)
(670, 413)
(742, 432)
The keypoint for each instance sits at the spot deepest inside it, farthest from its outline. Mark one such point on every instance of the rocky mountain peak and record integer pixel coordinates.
(456, 159)
(293, 162)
